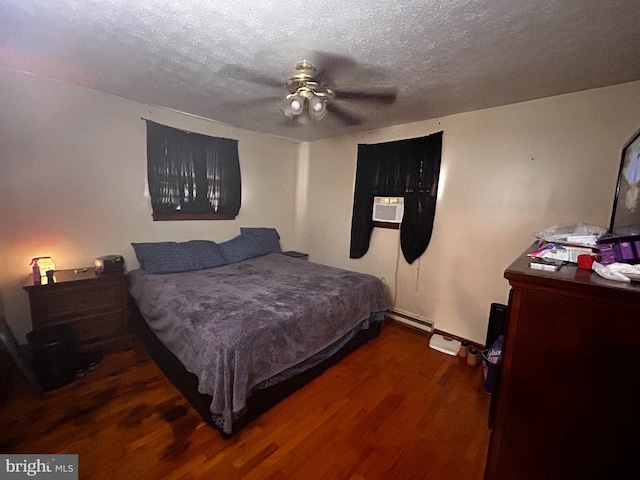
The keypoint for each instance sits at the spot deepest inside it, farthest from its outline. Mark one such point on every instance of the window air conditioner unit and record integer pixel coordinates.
(388, 209)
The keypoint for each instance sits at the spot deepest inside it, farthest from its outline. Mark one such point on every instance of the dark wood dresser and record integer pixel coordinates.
(567, 402)
(95, 306)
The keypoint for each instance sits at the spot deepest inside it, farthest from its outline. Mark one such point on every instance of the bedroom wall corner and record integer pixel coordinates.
(301, 186)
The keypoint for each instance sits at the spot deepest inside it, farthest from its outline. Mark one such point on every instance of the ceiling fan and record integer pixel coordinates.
(309, 95)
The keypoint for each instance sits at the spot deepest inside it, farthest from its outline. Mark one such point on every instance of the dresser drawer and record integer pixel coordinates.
(98, 327)
(94, 306)
(76, 301)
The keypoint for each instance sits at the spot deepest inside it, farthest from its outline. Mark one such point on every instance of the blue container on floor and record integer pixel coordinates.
(489, 371)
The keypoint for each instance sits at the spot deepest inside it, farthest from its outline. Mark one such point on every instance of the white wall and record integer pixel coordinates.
(73, 181)
(73, 186)
(506, 173)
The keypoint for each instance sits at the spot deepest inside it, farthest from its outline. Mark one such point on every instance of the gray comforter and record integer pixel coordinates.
(238, 325)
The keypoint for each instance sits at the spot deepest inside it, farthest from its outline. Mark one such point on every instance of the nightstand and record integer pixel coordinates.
(93, 305)
(294, 254)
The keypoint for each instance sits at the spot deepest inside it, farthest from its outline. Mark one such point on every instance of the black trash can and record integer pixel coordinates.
(497, 323)
(55, 357)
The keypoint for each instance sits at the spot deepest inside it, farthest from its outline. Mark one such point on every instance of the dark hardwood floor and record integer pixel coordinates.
(393, 409)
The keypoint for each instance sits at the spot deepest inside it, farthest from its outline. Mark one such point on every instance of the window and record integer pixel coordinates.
(192, 176)
(405, 168)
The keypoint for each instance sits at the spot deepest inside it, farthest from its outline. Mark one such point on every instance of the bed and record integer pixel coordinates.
(237, 338)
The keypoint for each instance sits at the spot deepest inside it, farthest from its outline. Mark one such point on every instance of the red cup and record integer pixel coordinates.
(585, 261)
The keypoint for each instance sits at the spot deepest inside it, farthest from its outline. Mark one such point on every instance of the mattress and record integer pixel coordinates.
(254, 323)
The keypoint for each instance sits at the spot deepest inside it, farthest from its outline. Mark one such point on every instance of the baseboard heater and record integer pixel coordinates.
(411, 320)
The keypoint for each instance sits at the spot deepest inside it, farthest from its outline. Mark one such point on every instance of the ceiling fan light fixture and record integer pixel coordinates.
(317, 107)
(294, 105)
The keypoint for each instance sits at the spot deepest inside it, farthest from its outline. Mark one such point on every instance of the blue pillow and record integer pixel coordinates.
(208, 253)
(165, 257)
(241, 248)
(268, 238)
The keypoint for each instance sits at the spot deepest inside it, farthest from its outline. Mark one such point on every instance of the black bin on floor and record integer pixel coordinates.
(497, 323)
(55, 357)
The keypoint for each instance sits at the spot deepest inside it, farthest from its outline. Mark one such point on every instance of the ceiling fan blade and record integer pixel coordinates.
(346, 117)
(330, 64)
(333, 66)
(236, 72)
(384, 96)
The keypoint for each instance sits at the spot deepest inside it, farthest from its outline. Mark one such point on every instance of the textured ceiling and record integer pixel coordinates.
(441, 56)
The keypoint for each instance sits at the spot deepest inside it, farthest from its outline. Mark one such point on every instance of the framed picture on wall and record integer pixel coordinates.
(625, 219)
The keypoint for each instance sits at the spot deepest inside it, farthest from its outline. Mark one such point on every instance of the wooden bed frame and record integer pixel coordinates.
(260, 400)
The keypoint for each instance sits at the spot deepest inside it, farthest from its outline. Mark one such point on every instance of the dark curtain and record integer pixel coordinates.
(192, 173)
(404, 168)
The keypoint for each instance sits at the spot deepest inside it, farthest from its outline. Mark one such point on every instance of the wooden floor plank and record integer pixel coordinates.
(393, 409)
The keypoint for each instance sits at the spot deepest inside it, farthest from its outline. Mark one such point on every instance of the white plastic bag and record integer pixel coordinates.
(609, 272)
(573, 233)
